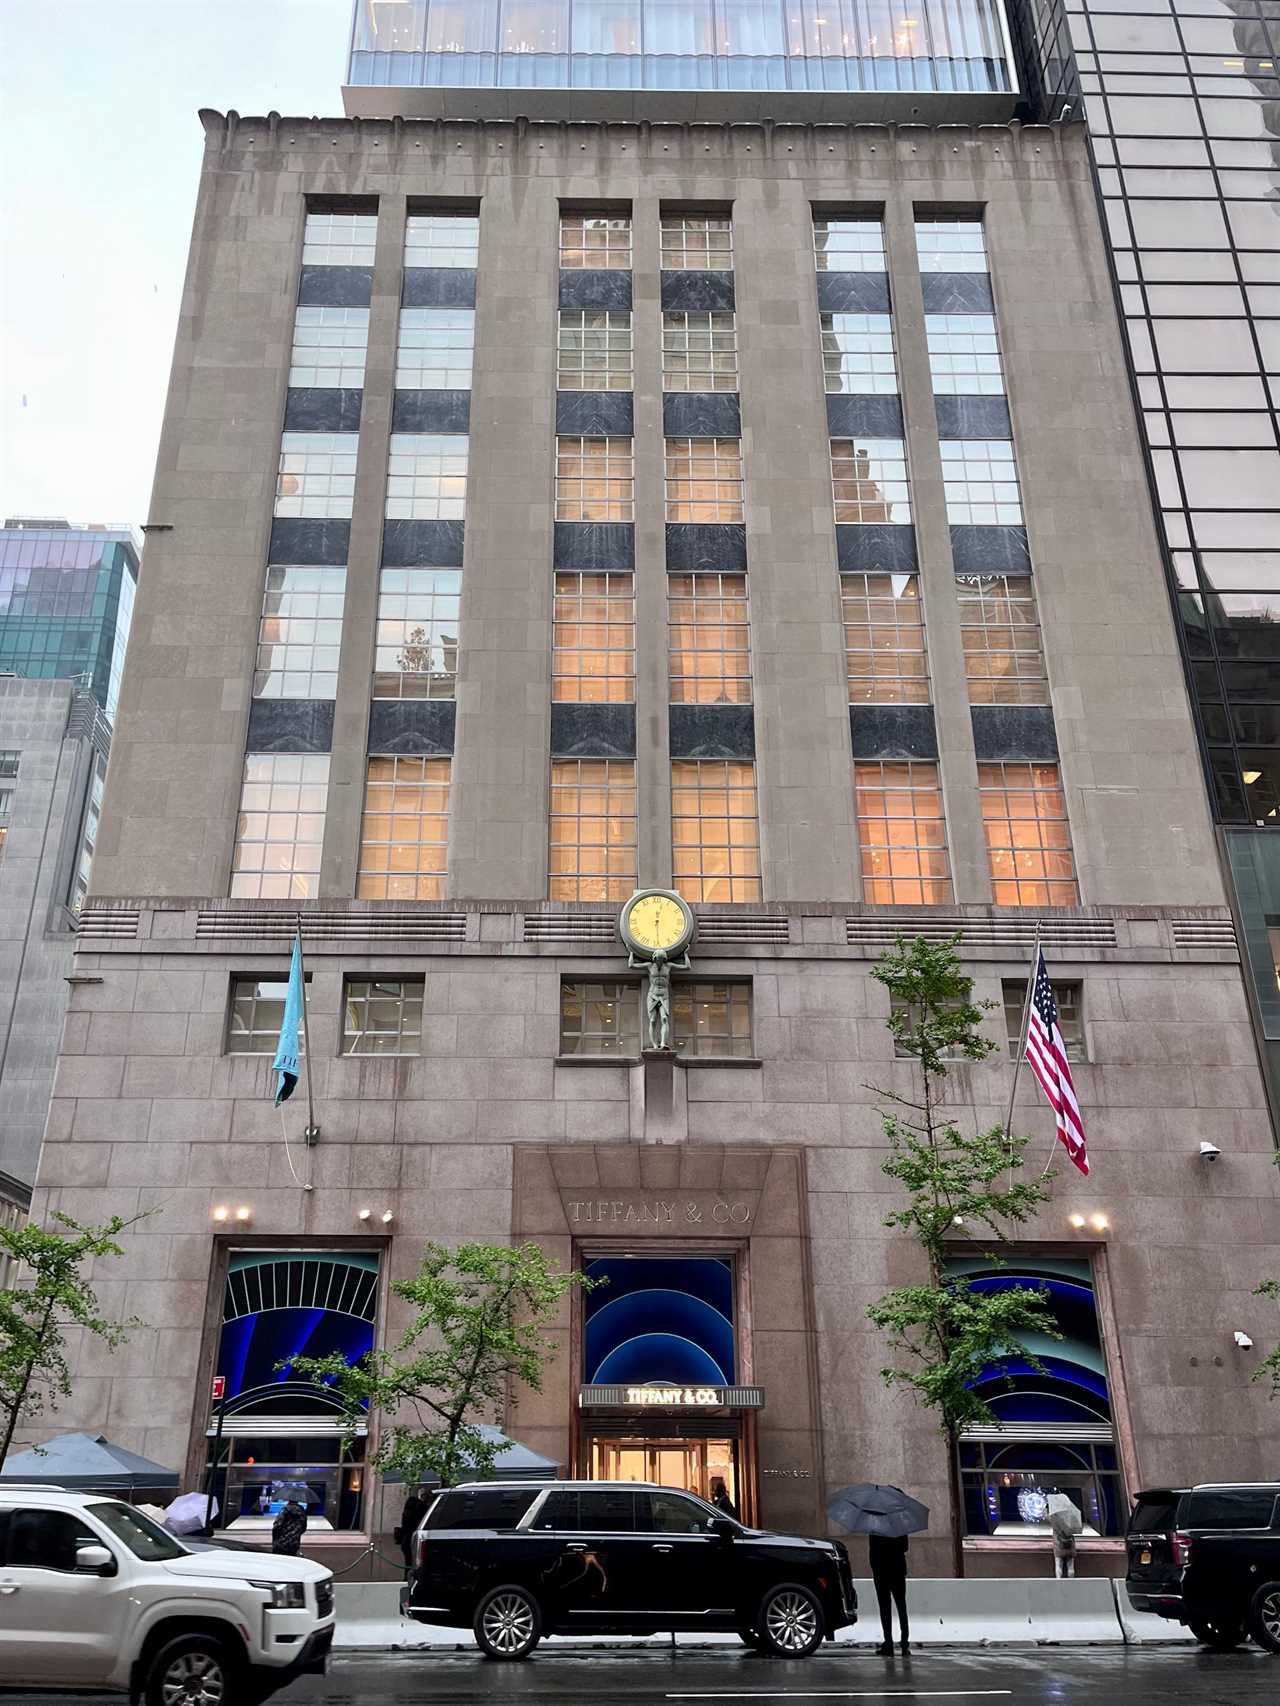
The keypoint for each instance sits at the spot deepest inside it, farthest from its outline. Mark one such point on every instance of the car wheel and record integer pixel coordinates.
(508, 1623)
(790, 1622)
(1264, 1616)
(1218, 1634)
(194, 1670)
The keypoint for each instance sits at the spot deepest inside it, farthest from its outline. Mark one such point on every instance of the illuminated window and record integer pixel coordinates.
(884, 640)
(594, 350)
(704, 479)
(1070, 1017)
(710, 639)
(595, 240)
(980, 482)
(300, 633)
(951, 245)
(1028, 837)
(416, 653)
(595, 479)
(857, 354)
(441, 240)
(1003, 659)
(435, 349)
(869, 480)
(700, 352)
(404, 835)
(593, 656)
(849, 245)
(382, 1015)
(599, 1018)
(593, 829)
(427, 476)
(711, 1019)
(964, 354)
(902, 834)
(339, 239)
(696, 242)
(256, 1014)
(715, 833)
(317, 474)
(281, 826)
(329, 347)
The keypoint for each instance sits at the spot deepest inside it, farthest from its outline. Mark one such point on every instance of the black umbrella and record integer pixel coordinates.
(870, 1509)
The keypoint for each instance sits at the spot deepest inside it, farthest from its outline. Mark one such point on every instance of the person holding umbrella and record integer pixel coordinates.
(887, 1516)
(1064, 1524)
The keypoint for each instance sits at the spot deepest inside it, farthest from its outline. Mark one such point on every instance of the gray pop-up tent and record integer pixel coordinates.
(514, 1462)
(89, 1463)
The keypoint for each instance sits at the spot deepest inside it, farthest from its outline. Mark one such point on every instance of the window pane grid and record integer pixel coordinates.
(404, 834)
(964, 355)
(951, 245)
(700, 351)
(329, 347)
(435, 349)
(715, 831)
(980, 482)
(595, 479)
(711, 1019)
(704, 479)
(595, 350)
(339, 239)
(1070, 1017)
(857, 354)
(884, 640)
(593, 657)
(1028, 837)
(849, 245)
(300, 633)
(280, 827)
(710, 639)
(869, 481)
(600, 1018)
(382, 1016)
(255, 1015)
(427, 476)
(593, 829)
(317, 474)
(695, 242)
(595, 240)
(416, 647)
(1000, 632)
(902, 834)
(441, 240)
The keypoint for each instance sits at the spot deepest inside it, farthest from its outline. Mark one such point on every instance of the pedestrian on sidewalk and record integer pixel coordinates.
(888, 1555)
(415, 1508)
(721, 1500)
(288, 1529)
(1064, 1524)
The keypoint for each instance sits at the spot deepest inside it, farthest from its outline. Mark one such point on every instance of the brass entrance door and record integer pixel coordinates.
(690, 1464)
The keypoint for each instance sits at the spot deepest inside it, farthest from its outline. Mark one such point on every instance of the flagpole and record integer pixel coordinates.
(1022, 1046)
(313, 1131)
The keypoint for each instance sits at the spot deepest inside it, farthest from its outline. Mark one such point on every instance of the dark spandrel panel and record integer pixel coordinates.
(990, 551)
(870, 417)
(290, 725)
(853, 292)
(1228, 789)
(875, 550)
(696, 292)
(701, 414)
(706, 545)
(594, 545)
(438, 287)
(594, 414)
(422, 544)
(973, 417)
(1254, 683)
(412, 725)
(893, 731)
(712, 731)
(595, 287)
(309, 540)
(957, 293)
(1015, 732)
(431, 411)
(319, 408)
(593, 731)
(335, 287)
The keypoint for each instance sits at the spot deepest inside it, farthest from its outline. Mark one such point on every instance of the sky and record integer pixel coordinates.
(100, 151)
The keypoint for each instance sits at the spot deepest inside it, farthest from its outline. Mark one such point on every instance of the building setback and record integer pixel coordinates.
(753, 509)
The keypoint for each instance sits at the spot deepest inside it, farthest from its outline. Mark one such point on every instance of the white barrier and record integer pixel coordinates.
(1144, 1628)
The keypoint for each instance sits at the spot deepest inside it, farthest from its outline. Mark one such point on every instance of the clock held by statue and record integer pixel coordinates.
(653, 920)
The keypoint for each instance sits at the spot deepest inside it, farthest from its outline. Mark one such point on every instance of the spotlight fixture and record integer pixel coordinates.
(220, 1214)
(1242, 1340)
(1077, 1220)
(1100, 1223)
(1209, 1152)
(244, 1214)
(365, 1214)
(387, 1217)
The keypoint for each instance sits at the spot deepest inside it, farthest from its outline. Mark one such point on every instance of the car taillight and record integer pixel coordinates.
(1181, 1550)
(420, 1548)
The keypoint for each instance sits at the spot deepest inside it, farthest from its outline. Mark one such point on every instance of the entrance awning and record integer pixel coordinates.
(637, 1400)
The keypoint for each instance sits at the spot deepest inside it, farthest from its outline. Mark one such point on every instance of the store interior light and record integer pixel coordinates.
(1250, 777)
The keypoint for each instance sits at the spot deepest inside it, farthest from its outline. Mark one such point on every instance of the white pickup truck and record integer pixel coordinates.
(96, 1596)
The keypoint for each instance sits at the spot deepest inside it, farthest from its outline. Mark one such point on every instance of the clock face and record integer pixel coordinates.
(656, 921)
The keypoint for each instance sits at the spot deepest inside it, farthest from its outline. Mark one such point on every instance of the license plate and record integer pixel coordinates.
(1144, 1557)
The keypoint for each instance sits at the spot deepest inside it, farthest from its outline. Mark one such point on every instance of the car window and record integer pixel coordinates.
(489, 1507)
(607, 1512)
(1228, 1507)
(1154, 1513)
(144, 1538)
(45, 1540)
(670, 1514)
(558, 1510)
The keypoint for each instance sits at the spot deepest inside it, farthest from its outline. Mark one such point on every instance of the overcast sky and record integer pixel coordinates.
(100, 151)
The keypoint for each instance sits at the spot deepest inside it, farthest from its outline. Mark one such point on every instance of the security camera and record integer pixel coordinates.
(1242, 1340)
(1209, 1152)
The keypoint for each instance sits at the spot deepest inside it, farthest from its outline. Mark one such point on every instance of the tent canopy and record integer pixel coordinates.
(514, 1462)
(88, 1463)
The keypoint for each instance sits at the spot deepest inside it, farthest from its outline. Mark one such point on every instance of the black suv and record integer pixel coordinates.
(515, 1561)
(1209, 1557)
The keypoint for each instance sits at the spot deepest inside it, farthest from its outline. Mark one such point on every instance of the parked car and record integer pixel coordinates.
(98, 1596)
(1209, 1557)
(515, 1561)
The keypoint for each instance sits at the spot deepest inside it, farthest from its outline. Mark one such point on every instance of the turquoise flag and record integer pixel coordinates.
(286, 1061)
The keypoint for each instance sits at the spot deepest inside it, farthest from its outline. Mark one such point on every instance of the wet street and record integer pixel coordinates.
(1007, 1677)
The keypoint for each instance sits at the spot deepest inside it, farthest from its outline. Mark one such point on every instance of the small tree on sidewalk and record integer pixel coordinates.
(51, 1295)
(945, 1336)
(480, 1319)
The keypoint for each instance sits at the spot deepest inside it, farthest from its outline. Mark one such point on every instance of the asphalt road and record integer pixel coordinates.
(1005, 1677)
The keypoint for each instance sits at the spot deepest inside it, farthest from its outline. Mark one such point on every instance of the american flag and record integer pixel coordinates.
(1047, 1055)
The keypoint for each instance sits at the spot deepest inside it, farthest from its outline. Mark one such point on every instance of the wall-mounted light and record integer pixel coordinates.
(1077, 1220)
(387, 1217)
(244, 1214)
(220, 1214)
(1100, 1223)
(1243, 1340)
(365, 1214)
